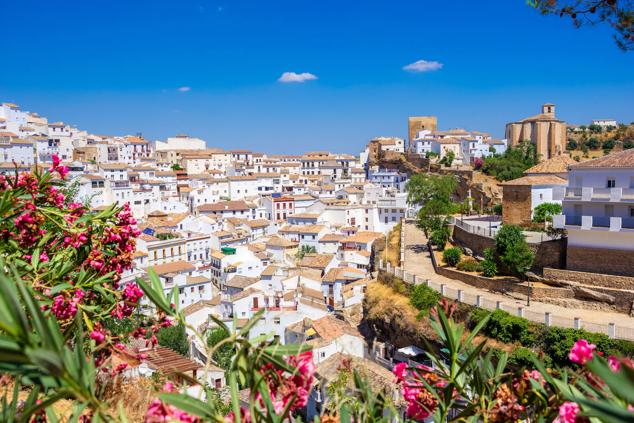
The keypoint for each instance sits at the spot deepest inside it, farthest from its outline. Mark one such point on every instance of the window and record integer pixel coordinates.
(276, 320)
(631, 211)
(322, 354)
(611, 183)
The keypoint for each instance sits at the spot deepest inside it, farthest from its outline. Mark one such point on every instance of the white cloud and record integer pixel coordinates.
(296, 77)
(423, 66)
(185, 89)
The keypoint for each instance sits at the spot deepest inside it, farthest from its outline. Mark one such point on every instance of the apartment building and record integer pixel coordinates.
(598, 214)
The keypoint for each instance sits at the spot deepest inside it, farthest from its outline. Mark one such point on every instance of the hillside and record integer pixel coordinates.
(586, 143)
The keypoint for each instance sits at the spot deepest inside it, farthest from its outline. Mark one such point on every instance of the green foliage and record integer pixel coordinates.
(165, 235)
(523, 357)
(305, 249)
(608, 145)
(431, 154)
(452, 256)
(627, 144)
(593, 143)
(512, 250)
(546, 211)
(433, 193)
(511, 164)
(448, 159)
(503, 326)
(424, 298)
(572, 145)
(497, 209)
(488, 265)
(440, 236)
(224, 351)
(595, 128)
(469, 265)
(175, 338)
(176, 167)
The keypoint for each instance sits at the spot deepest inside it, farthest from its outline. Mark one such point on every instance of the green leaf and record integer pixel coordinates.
(188, 404)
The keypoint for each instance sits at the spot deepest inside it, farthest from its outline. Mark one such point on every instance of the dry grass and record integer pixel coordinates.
(393, 253)
(134, 397)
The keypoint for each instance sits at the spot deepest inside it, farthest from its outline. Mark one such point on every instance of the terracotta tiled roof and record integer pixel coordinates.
(363, 237)
(173, 267)
(332, 238)
(537, 180)
(343, 273)
(240, 281)
(557, 164)
(622, 159)
(225, 206)
(317, 261)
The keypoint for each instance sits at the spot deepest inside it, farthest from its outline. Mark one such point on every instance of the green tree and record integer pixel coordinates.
(593, 143)
(513, 251)
(223, 353)
(545, 212)
(176, 167)
(448, 159)
(433, 193)
(608, 145)
(618, 14)
(423, 298)
(627, 144)
(305, 249)
(511, 164)
(452, 256)
(572, 145)
(595, 128)
(175, 338)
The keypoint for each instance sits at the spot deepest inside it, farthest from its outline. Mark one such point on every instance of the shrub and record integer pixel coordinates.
(174, 338)
(572, 145)
(469, 265)
(505, 327)
(423, 298)
(488, 265)
(523, 357)
(497, 209)
(545, 211)
(512, 163)
(452, 256)
(439, 237)
(512, 250)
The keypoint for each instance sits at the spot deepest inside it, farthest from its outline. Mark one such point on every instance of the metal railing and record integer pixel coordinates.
(482, 301)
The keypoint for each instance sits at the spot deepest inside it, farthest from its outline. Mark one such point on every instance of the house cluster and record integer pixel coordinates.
(236, 232)
(466, 146)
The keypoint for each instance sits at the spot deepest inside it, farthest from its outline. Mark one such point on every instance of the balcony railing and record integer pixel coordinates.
(600, 194)
(613, 223)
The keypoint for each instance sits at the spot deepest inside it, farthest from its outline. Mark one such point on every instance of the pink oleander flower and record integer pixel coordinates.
(159, 412)
(98, 335)
(582, 352)
(614, 363)
(400, 370)
(44, 257)
(568, 412)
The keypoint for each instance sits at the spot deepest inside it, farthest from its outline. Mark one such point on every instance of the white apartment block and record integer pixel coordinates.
(598, 214)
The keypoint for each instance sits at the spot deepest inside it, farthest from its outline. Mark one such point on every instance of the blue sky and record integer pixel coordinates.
(115, 67)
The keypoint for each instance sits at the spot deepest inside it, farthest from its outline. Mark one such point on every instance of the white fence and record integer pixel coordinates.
(549, 319)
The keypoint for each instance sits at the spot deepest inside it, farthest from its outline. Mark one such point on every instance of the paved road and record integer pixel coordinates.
(418, 262)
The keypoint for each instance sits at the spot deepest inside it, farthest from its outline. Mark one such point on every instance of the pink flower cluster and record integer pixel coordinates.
(65, 309)
(130, 297)
(159, 412)
(420, 402)
(581, 352)
(295, 387)
(114, 248)
(60, 169)
(568, 412)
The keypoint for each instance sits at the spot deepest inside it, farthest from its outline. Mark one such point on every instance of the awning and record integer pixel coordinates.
(411, 350)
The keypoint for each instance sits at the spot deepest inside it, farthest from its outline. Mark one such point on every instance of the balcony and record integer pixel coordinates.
(599, 194)
(611, 223)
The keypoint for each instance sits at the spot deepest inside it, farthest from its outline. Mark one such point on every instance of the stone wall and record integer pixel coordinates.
(504, 285)
(516, 204)
(591, 279)
(547, 254)
(600, 260)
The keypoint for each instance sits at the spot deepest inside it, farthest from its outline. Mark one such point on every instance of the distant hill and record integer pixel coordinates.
(592, 141)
